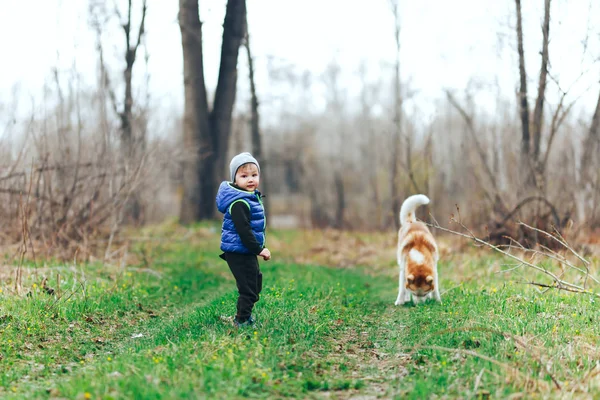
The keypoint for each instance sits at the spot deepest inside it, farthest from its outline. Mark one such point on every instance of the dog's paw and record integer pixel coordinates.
(398, 303)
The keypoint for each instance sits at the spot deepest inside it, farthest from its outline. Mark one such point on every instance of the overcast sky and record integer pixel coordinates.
(445, 44)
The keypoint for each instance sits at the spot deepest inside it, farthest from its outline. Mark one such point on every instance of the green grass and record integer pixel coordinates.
(321, 332)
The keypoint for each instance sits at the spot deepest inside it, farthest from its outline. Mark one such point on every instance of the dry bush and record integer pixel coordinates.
(64, 183)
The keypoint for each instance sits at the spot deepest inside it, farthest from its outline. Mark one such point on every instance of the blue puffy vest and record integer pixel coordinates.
(226, 197)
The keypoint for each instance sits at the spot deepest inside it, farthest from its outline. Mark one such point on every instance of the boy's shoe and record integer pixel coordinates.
(248, 322)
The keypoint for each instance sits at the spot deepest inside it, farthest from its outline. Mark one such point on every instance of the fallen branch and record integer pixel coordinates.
(514, 338)
(559, 283)
(489, 359)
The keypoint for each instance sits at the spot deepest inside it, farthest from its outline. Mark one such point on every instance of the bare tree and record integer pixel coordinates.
(132, 142)
(532, 129)
(206, 131)
(489, 179)
(132, 146)
(589, 176)
(369, 148)
(131, 47)
(523, 101)
(196, 131)
(397, 133)
(591, 145)
(538, 111)
(257, 147)
(336, 106)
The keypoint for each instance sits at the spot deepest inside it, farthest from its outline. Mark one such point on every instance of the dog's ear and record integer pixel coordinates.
(429, 279)
(410, 278)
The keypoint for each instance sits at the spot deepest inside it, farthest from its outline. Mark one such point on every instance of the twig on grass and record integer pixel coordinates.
(514, 338)
(559, 283)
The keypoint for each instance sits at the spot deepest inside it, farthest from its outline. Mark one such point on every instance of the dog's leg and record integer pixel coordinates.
(399, 298)
(407, 296)
(401, 289)
(437, 285)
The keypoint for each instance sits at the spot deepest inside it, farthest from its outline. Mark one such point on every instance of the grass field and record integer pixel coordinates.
(326, 327)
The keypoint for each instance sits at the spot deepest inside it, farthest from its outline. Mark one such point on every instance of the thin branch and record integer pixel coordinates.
(558, 118)
(560, 284)
(142, 27)
(514, 338)
(559, 239)
(550, 254)
(489, 359)
(528, 200)
(471, 129)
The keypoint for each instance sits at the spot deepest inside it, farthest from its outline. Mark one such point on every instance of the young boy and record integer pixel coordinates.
(243, 232)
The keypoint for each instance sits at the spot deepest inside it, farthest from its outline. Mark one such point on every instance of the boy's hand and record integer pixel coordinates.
(265, 254)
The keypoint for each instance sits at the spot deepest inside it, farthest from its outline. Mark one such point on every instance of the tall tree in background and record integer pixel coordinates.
(336, 109)
(591, 146)
(397, 134)
(522, 94)
(206, 131)
(132, 142)
(132, 146)
(532, 161)
(129, 142)
(589, 176)
(257, 147)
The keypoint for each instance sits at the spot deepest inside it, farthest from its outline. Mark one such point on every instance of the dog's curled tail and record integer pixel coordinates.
(407, 211)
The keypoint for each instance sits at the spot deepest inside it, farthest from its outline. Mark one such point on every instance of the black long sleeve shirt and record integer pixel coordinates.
(240, 215)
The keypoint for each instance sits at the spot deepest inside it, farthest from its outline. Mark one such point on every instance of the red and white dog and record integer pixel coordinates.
(417, 256)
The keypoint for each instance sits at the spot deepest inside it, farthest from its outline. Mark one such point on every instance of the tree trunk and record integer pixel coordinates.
(130, 147)
(532, 167)
(538, 112)
(234, 29)
(397, 122)
(588, 171)
(369, 150)
(196, 131)
(126, 116)
(257, 148)
(523, 102)
(340, 200)
(207, 133)
(591, 145)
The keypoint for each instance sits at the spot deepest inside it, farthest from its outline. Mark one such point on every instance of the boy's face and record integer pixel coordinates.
(247, 177)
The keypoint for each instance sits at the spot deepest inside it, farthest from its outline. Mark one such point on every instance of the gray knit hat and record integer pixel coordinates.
(238, 161)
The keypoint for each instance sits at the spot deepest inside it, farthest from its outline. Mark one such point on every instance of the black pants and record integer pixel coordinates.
(248, 277)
